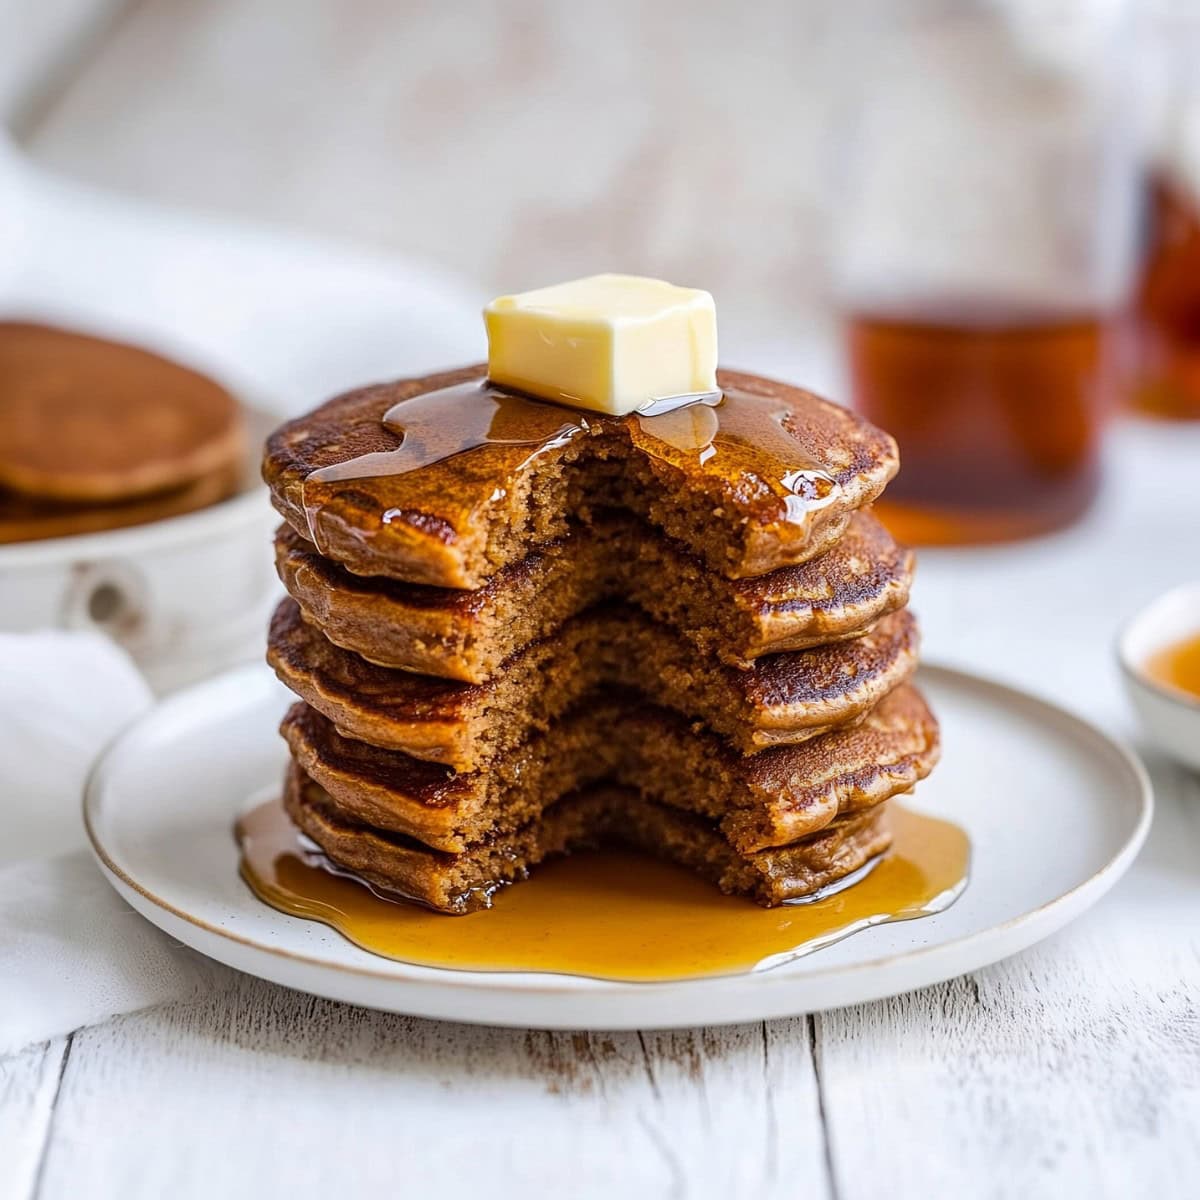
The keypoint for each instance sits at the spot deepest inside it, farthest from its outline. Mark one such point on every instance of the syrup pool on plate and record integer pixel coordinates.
(609, 914)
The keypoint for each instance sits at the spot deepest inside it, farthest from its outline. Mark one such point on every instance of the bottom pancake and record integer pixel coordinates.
(464, 882)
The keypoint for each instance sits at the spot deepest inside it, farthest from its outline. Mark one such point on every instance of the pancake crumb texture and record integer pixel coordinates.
(534, 654)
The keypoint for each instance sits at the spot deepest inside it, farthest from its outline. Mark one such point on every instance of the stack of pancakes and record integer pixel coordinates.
(511, 652)
(98, 435)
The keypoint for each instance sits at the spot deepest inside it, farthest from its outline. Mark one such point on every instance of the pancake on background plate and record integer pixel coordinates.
(96, 435)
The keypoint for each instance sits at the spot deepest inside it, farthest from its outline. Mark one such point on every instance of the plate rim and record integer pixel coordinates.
(1053, 914)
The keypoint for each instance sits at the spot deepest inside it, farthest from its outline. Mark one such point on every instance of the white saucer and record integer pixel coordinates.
(1056, 812)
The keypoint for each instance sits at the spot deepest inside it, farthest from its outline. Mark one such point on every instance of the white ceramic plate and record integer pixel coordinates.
(161, 804)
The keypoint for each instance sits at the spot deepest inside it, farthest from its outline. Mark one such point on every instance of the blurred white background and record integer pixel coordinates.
(516, 143)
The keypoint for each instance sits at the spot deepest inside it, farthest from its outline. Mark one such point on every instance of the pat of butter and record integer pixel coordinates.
(607, 342)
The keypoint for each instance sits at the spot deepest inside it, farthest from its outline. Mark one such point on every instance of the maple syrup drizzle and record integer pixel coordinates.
(739, 429)
(610, 914)
(1178, 666)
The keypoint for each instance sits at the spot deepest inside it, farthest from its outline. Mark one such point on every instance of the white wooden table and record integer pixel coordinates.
(1071, 1070)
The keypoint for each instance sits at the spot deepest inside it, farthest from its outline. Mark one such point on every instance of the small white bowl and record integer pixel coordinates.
(186, 596)
(1170, 717)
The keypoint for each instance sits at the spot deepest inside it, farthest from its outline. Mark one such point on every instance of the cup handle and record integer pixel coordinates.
(108, 597)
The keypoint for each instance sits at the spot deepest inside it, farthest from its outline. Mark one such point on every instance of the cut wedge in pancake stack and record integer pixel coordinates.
(516, 629)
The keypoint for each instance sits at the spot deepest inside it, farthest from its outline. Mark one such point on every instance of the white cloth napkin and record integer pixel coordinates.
(72, 952)
(285, 320)
(63, 697)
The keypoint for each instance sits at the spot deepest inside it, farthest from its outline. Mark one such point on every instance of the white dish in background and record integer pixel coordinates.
(1170, 717)
(1055, 809)
(186, 596)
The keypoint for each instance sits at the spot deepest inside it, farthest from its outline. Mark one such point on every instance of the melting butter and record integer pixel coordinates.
(609, 343)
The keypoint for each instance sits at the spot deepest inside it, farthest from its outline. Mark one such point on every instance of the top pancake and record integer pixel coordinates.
(87, 420)
(466, 882)
(744, 503)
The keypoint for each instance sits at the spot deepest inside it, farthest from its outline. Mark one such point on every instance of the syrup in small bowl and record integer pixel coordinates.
(1159, 652)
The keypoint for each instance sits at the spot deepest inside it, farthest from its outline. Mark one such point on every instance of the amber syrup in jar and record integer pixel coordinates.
(1165, 321)
(998, 411)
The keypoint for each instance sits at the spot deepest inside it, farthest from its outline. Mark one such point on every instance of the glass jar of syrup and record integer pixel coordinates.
(984, 255)
(1164, 327)
(1165, 324)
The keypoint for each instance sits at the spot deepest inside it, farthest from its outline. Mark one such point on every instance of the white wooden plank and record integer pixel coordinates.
(29, 1083)
(271, 1092)
(737, 1108)
(1070, 1070)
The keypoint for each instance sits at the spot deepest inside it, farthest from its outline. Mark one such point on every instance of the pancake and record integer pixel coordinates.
(467, 635)
(465, 882)
(769, 799)
(83, 419)
(787, 698)
(23, 519)
(767, 480)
